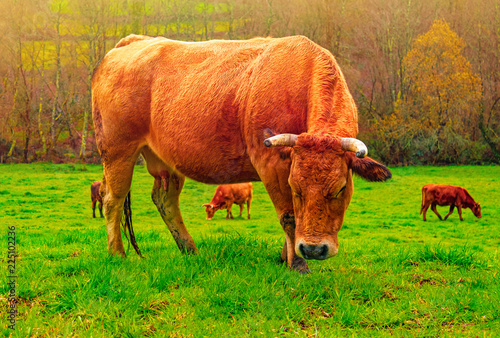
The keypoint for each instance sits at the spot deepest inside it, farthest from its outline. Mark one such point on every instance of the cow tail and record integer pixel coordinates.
(128, 225)
(422, 205)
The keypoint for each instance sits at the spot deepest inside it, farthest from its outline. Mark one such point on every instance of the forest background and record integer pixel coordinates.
(424, 74)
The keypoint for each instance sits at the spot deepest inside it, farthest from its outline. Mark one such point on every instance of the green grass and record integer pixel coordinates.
(394, 274)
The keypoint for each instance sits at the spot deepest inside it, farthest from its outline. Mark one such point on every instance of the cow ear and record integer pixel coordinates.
(369, 169)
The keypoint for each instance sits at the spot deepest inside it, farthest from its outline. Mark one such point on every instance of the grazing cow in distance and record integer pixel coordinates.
(228, 194)
(276, 110)
(442, 195)
(95, 196)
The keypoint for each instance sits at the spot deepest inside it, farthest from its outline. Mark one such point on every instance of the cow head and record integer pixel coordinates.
(212, 208)
(321, 185)
(476, 210)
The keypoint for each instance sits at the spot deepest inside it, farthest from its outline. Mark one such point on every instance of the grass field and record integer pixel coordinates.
(394, 274)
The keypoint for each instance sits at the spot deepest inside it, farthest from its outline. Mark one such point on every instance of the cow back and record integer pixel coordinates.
(204, 107)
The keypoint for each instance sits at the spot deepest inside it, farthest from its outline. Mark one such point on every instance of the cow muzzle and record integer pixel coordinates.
(319, 251)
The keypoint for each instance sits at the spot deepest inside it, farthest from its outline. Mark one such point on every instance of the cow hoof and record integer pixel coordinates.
(121, 254)
(187, 246)
(190, 251)
(300, 265)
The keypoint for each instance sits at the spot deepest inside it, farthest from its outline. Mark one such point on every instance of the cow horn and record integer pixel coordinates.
(354, 145)
(287, 140)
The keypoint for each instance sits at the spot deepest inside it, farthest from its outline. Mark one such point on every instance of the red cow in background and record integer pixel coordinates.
(96, 197)
(437, 194)
(228, 194)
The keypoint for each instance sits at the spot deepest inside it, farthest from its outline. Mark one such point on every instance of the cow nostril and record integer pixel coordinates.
(319, 252)
(323, 252)
(302, 251)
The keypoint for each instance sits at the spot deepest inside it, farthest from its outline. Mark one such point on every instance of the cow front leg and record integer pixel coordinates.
(229, 213)
(288, 254)
(459, 210)
(449, 213)
(100, 209)
(248, 208)
(274, 172)
(433, 207)
(166, 198)
(241, 209)
(284, 253)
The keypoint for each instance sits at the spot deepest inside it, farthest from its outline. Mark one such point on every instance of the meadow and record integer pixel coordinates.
(394, 274)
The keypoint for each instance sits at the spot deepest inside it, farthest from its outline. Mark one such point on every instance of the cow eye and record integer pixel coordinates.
(340, 191)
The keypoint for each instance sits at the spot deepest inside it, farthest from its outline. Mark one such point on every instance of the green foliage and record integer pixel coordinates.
(394, 274)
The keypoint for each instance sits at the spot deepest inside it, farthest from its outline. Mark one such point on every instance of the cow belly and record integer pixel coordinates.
(212, 167)
(445, 200)
(222, 172)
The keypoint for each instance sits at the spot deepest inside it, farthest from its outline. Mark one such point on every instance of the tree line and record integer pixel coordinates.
(424, 74)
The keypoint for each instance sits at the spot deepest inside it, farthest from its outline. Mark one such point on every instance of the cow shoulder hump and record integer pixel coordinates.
(132, 38)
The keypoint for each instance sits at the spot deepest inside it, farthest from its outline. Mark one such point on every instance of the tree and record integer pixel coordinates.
(485, 48)
(50, 48)
(94, 17)
(58, 7)
(436, 112)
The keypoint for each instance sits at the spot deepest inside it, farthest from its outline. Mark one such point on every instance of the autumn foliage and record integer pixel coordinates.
(435, 115)
(425, 74)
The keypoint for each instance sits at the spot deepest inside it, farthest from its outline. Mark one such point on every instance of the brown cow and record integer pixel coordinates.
(271, 109)
(95, 196)
(442, 195)
(228, 194)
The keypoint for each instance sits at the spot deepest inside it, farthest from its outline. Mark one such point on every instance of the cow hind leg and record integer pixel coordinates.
(241, 209)
(433, 208)
(449, 213)
(116, 185)
(165, 195)
(424, 211)
(93, 209)
(167, 202)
